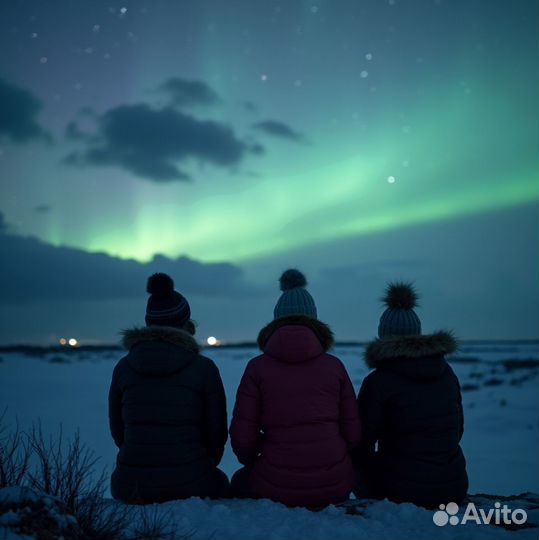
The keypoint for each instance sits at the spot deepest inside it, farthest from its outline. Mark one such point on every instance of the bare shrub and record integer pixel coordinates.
(65, 473)
(102, 519)
(152, 523)
(66, 469)
(14, 455)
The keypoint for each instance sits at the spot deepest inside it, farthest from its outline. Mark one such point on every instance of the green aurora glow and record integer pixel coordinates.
(438, 176)
(455, 132)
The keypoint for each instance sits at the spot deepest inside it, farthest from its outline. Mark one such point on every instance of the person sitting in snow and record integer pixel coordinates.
(167, 407)
(411, 412)
(295, 420)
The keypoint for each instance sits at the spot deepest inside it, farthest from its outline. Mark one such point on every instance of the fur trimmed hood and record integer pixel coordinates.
(320, 329)
(402, 348)
(169, 334)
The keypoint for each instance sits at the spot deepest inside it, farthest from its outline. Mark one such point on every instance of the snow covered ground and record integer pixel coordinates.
(235, 519)
(501, 402)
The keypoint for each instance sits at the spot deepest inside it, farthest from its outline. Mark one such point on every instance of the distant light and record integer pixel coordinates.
(263, 77)
(123, 11)
(314, 9)
(73, 342)
(368, 56)
(364, 74)
(63, 341)
(391, 179)
(43, 59)
(212, 341)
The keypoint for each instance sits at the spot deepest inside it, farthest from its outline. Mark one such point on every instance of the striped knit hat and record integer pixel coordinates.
(165, 307)
(295, 300)
(399, 319)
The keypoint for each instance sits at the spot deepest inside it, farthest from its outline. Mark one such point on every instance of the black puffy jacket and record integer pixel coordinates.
(411, 406)
(167, 413)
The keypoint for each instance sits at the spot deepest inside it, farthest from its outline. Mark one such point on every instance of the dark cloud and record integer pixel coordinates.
(42, 208)
(34, 271)
(279, 129)
(18, 111)
(257, 149)
(351, 272)
(250, 106)
(150, 142)
(184, 93)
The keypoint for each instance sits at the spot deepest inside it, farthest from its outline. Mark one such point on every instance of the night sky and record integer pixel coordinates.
(224, 141)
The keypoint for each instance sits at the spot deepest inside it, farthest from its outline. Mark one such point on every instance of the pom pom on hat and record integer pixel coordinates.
(400, 296)
(399, 319)
(165, 306)
(160, 285)
(294, 300)
(292, 278)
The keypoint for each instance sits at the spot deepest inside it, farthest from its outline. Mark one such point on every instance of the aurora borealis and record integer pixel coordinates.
(253, 133)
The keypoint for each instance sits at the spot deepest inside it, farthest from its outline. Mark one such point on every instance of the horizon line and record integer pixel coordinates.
(15, 347)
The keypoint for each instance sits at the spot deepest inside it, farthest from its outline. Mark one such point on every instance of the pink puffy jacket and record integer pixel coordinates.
(296, 418)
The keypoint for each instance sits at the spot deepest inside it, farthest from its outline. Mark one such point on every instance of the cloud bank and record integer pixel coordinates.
(34, 271)
(18, 114)
(183, 92)
(150, 142)
(279, 129)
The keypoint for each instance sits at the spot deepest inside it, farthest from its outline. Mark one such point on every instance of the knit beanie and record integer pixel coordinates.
(165, 307)
(294, 300)
(399, 319)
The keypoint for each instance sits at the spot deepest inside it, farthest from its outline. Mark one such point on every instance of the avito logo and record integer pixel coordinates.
(499, 515)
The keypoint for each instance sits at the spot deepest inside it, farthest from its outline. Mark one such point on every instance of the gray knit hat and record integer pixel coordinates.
(295, 300)
(165, 306)
(399, 319)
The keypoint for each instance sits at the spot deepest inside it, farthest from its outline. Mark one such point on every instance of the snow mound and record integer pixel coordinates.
(245, 519)
(26, 513)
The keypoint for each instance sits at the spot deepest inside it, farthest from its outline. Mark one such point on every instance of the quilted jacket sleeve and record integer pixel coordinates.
(245, 433)
(370, 405)
(349, 423)
(215, 419)
(116, 423)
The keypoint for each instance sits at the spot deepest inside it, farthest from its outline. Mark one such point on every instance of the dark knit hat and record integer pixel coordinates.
(399, 319)
(165, 307)
(295, 300)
